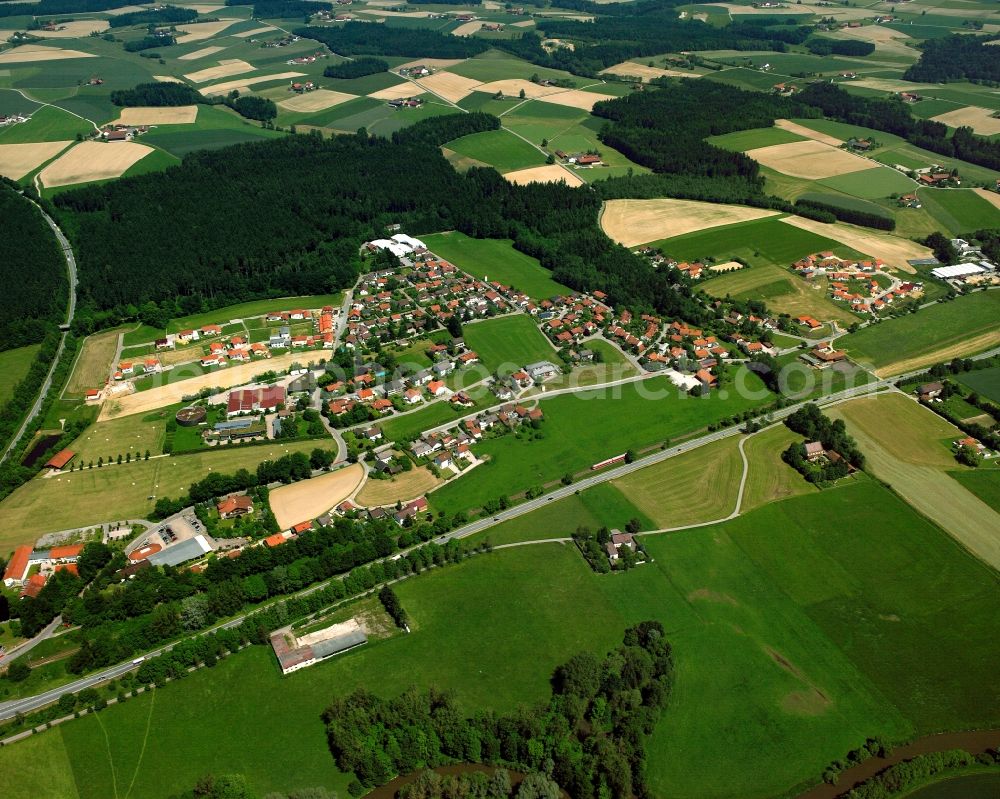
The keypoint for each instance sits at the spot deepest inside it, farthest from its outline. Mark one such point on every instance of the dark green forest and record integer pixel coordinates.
(362, 38)
(957, 57)
(157, 94)
(168, 15)
(44, 7)
(358, 68)
(33, 272)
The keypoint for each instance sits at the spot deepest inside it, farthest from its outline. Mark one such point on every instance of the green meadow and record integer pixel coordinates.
(585, 428)
(950, 328)
(509, 342)
(961, 212)
(501, 149)
(759, 241)
(798, 630)
(14, 365)
(496, 259)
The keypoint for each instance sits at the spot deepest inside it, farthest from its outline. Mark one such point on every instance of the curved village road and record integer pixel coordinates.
(67, 251)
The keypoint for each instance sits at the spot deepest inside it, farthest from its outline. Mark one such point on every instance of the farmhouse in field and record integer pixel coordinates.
(618, 542)
(295, 653)
(234, 506)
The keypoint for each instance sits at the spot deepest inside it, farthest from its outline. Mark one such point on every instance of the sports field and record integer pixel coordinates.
(584, 428)
(496, 259)
(14, 365)
(507, 343)
(783, 291)
(93, 364)
(907, 446)
(94, 495)
(958, 328)
(698, 486)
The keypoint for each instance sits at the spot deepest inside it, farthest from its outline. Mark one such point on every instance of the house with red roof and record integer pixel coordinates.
(17, 566)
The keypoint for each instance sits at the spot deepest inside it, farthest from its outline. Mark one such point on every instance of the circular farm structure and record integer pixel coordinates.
(191, 416)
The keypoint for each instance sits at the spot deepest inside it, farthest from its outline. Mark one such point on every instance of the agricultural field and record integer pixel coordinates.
(85, 497)
(907, 447)
(496, 260)
(500, 149)
(769, 478)
(634, 222)
(985, 382)
(782, 291)
(600, 506)
(672, 493)
(960, 212)
(508, 343)
(94, 363)
(401, 488)
(744, 140)
(310, 498)
(958, 328)
(983, 482)
(584, 428)
(14, 366)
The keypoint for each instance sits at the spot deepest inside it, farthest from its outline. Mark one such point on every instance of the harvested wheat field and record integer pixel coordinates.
(808, 133)
(114, 12)
(166, 115)
(167, 79)
(513, 87)
(979, 119)
(645, 73)
(399, 92)
(305, 500)
(254, 32)
(894, 250)
(736, 8)
(551, 173)
(433, 63)
(808, 159)
(992, 197)
(315, 101)
(178, 388)
(17, 160)
(633, 222)
(204, 52)
(75, 29)
(205, 8)
(32, 53)
(524, 23)
(467, 29)
(226, 68)
(575, 98)
(401, 488)
(92, 160)
(245, 83)
(448, 85)
(196, 31)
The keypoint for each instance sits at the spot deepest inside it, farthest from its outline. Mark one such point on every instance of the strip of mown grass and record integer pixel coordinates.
(984, 483)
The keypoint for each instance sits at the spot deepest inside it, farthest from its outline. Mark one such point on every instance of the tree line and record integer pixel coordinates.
(358, 68)
(588, 738)
(362, 38)
(157, 94)
(277, 9)
(956, 57)
(49, 7)
(33, 272)
(167, 15)
(844, 214)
